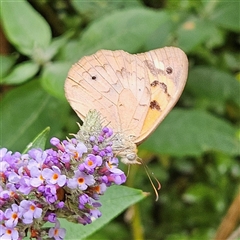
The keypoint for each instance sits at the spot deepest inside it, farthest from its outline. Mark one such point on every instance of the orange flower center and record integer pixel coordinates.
(80, 180)
(55, 176)
(56, 232)
(14, 215)
(32, 207)
(90, 163)
(76, 155)
(109, 164)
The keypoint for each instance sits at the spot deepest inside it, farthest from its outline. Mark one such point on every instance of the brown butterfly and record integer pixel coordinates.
(133, 92)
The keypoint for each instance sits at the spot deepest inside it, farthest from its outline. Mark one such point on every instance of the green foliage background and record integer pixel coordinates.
(194, 153)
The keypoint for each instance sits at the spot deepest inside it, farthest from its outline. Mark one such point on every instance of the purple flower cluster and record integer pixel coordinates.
(65, 182)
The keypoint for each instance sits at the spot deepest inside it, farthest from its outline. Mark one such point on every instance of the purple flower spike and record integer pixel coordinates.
(65, 181)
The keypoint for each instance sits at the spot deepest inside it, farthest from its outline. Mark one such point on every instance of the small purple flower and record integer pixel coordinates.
(38, 157)
(8, 233)
(57, 143)
(50, 193)
(108, 149)
(83, 199)
(107, 132)
(95, 213)
(52, 217)
(12, 214)
(81, 148)
(36, 177)
(3, 153)
(96, 204)
(54, 141)
(112, 166)
(102, 153)
(100, 139)
(14, 177)
(60, 204)
(84, 220)
(29, 211)
(95, 149)
(92, 139)
(76, 151)
(52, 157)
(81, 180)
(117, 178)
(3, 167)
(56, 232)
(65, 158)
(5, 194)
(53, 176)
(90, 163)
(25, 186)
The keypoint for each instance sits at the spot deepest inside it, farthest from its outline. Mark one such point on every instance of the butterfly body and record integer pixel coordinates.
(133, 92)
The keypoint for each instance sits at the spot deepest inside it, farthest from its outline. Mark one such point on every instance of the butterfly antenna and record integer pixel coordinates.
(150, 179)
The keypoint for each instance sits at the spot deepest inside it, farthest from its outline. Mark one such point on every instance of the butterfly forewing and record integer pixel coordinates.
(87, 89)
(115, 84)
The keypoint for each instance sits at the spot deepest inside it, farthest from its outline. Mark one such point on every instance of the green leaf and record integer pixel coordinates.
(161, 36)
(127, 30)
(95, 9)
(25, 28)
(193, 33)
(25, 111)
(6, 64)
(21, 73)
(39, 141)
(192, 133)
(54, 46)
(198, 192)
(213, 84)
(53, 78)
(114, 201)
(226, 14)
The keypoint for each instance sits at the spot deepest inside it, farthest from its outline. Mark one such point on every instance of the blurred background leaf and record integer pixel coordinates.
(105, 32)
(21, 73)
(192, 133)
(27, 110)
(27, 31)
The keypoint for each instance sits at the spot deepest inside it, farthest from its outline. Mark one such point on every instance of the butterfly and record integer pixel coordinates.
(133, 92)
